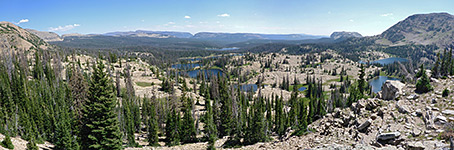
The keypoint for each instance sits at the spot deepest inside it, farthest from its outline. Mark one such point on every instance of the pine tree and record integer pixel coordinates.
(31, 145)
(6, 143)
(64, 138)
(420, 72)
(436, 68)
(423, 84)
(173, 128)
(256, 127)
(188, 131)
(100, 130)
(210, 127)
(149, 111)
(361, 81)
(279, 117)
(451, 63)
(293, 102)
(226, 109)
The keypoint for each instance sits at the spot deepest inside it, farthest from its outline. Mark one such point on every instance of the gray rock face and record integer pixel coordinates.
(388, 136)
(391, 89)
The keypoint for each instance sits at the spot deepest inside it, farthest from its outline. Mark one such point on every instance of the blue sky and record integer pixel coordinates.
(319, 17)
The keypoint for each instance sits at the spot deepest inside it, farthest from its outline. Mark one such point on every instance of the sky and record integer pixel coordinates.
(316, 17)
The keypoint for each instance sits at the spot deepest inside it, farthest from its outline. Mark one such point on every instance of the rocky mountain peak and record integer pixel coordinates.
(344, 35)
(433, 28)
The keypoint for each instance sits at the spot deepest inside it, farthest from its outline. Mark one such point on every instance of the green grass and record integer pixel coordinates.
(144, 84)
(216, 67)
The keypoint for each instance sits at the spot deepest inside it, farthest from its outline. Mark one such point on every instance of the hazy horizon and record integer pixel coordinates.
(263, 17)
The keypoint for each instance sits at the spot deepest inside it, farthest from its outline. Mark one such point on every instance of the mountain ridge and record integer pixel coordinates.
(424, 29)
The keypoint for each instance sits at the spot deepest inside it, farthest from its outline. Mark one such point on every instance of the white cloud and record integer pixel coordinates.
(64, 28)
(386, 15)
(22, 21)
(169, 23)
(187, 17)
(224, 15)
(351, 20)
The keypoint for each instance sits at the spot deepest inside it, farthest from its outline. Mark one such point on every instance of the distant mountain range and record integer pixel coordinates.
(422, 29)
(207, 36)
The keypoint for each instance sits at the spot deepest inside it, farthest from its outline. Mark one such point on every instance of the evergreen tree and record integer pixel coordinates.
(31, 145)
(436, 69)
(173, 128)
(423, 84)
(149, 111)
(293, 102)
(256, 126)
(279, 117)
(420, 72)
(210, 127)
(361, 81)
(100, 129)
(6, 143)
(188, 131)
(226, 109)
(64, 138)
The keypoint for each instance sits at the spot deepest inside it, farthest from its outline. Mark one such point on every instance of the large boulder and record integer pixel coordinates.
(391, 89)
(402, 107)
(448, 112)
(388, 136)
(364, 125)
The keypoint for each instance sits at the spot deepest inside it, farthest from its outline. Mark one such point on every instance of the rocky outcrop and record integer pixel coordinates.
(344, 35)
(391, 90)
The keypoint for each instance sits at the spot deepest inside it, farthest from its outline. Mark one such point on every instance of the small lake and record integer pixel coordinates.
(386, 61)
(208, 72)
(302, 88)
(185, 66)
(377, 83)
(248, 87)
(224, 49)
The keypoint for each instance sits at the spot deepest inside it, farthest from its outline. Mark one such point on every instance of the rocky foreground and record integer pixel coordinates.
(405, 120)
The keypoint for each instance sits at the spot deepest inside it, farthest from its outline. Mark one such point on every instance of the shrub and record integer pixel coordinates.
(423, 84)
(445, 93)
(6, 143)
